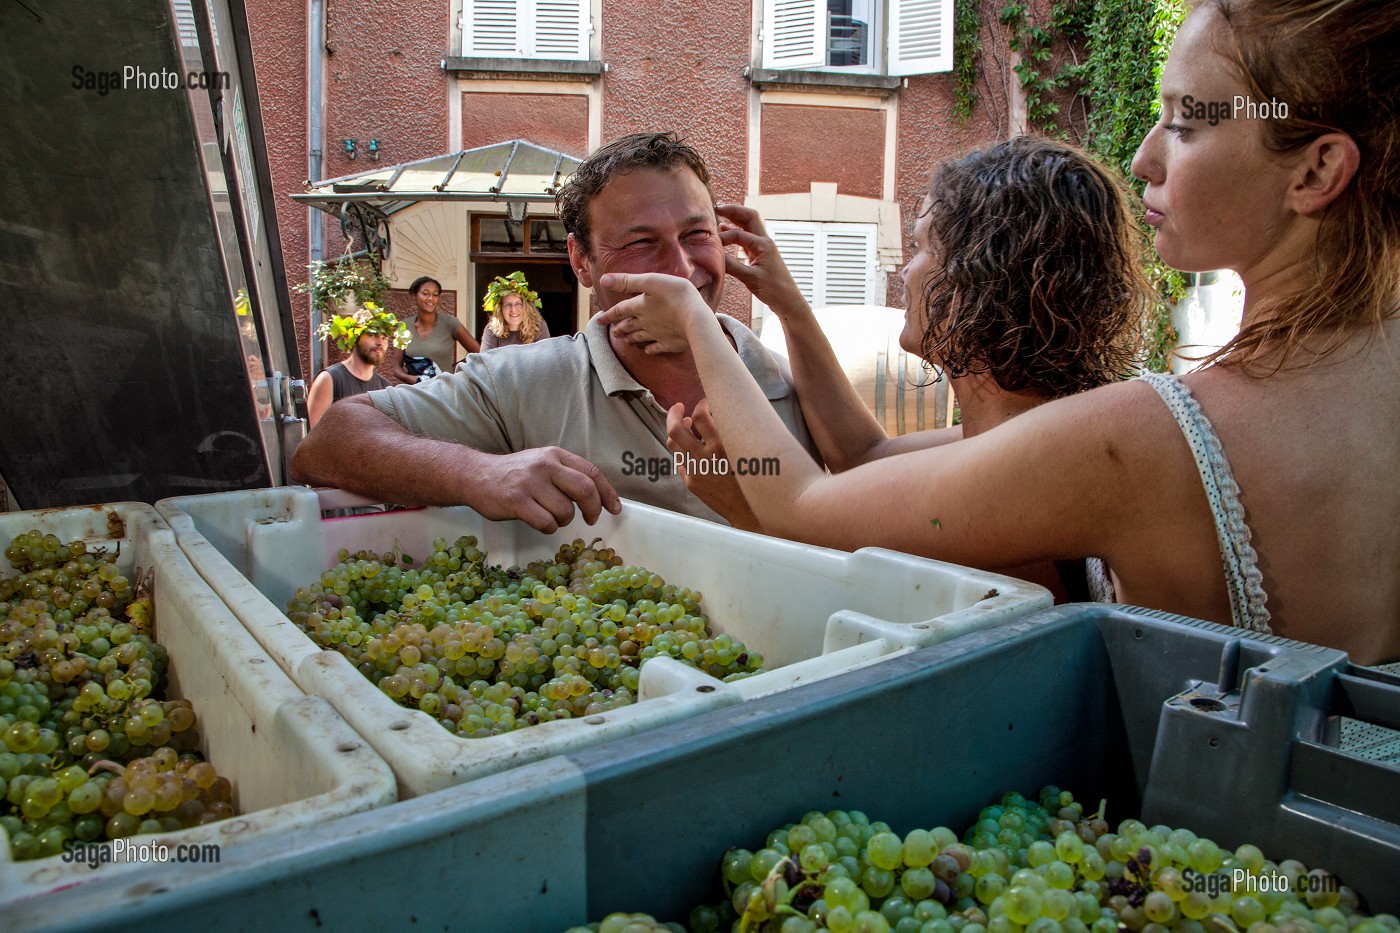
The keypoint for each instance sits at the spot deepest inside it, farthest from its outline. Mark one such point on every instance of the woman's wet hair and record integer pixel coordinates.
(1038, 279)
(421, 281)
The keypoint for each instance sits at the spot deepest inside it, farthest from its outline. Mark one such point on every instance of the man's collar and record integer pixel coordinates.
(760, 363)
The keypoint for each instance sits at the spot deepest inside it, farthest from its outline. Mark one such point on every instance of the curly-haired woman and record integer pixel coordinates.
(1028, 264)
(515, 313)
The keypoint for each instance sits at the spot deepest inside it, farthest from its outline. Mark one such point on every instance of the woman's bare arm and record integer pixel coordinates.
(844, 430)
(465, 338)
(396, 369)
(1051, 484)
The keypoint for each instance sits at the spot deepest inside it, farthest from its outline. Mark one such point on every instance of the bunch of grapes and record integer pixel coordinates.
(78, 670)
(840, 871)
(487, 649)
(1028, 865)
(628, 923)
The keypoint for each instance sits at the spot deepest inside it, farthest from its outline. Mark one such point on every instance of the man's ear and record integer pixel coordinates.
(1326, 167)
(578, 260)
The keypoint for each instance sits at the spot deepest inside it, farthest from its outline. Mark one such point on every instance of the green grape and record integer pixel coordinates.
(1247, 910)
(1059, 875)
(1058, 904)
(918, 883)
(885, 851)
(1069, 848)
(869, 921)
(1022, 904)
(990, 887)
(920, 848)
(1158, 907)
(877, 882)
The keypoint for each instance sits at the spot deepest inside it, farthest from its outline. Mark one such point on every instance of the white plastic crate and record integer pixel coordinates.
(293, 762)
(810, 611)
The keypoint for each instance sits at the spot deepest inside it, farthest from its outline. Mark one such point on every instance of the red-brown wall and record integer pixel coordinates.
(384, 80)
(556, 121)
(797, 149)
(677, 66)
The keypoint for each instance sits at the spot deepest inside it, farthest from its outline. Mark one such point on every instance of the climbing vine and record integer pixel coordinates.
(967, 56)
(1103, 59)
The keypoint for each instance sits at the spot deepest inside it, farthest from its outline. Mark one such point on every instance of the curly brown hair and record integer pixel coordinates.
(664, 151)
(1335, 62)
(1040, 280)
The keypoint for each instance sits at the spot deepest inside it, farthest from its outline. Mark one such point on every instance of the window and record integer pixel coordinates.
(893, 37)
(536, 236)
(549, 29)
(833, 264)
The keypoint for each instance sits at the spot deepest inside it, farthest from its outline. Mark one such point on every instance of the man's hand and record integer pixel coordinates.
(659, 315)
(765, 274)
(698, 438)
(540, 487)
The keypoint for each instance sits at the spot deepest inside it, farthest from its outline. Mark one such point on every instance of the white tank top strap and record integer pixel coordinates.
(1241, 563)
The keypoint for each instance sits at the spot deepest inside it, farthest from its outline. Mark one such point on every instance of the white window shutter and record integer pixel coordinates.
(921, 37)
(560, 29)
(849, 275)
(491, 28)
(184, 24)
(832, 263)
(797, 243)
(794, 33)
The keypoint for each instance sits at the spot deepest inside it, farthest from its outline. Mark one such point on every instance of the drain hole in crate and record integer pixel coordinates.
(595, 720)
(346, 747)
(1214, 742)
(398, 726)
(705, 689)
(1207, 705)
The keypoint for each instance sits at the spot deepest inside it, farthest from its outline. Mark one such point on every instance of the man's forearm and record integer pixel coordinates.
(358, 448)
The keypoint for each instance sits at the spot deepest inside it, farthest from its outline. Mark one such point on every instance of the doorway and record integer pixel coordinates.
(551, 279)
(535, 246)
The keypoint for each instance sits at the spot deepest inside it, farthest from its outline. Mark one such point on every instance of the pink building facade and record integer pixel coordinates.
(826, 115)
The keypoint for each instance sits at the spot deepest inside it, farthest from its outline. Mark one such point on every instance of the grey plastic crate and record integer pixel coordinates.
(1184, 723)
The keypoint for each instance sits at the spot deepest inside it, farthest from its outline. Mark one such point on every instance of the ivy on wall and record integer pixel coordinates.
(1094, 51)
(967, 56)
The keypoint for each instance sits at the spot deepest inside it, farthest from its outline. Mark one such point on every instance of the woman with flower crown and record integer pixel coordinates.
(515, 313)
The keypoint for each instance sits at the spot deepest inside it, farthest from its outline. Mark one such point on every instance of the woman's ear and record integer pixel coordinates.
(1326, 167)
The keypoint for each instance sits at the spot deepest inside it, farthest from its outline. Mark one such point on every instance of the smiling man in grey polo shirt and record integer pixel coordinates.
(533, 431)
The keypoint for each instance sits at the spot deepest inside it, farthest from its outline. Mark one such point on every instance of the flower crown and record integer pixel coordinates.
(346, 330)
(504, 285)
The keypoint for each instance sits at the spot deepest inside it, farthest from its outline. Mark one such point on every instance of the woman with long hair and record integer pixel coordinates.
(1258, 490)
(515, 313)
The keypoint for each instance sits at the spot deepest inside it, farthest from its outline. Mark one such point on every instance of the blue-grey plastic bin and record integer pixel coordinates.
(1183, 723)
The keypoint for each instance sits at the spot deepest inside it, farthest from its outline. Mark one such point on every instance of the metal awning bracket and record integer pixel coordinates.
(505, 170)
(450, 172)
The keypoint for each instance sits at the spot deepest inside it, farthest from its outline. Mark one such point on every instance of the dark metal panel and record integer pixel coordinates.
(125, 377)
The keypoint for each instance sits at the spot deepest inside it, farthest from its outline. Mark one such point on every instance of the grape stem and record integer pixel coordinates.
(106, 765)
